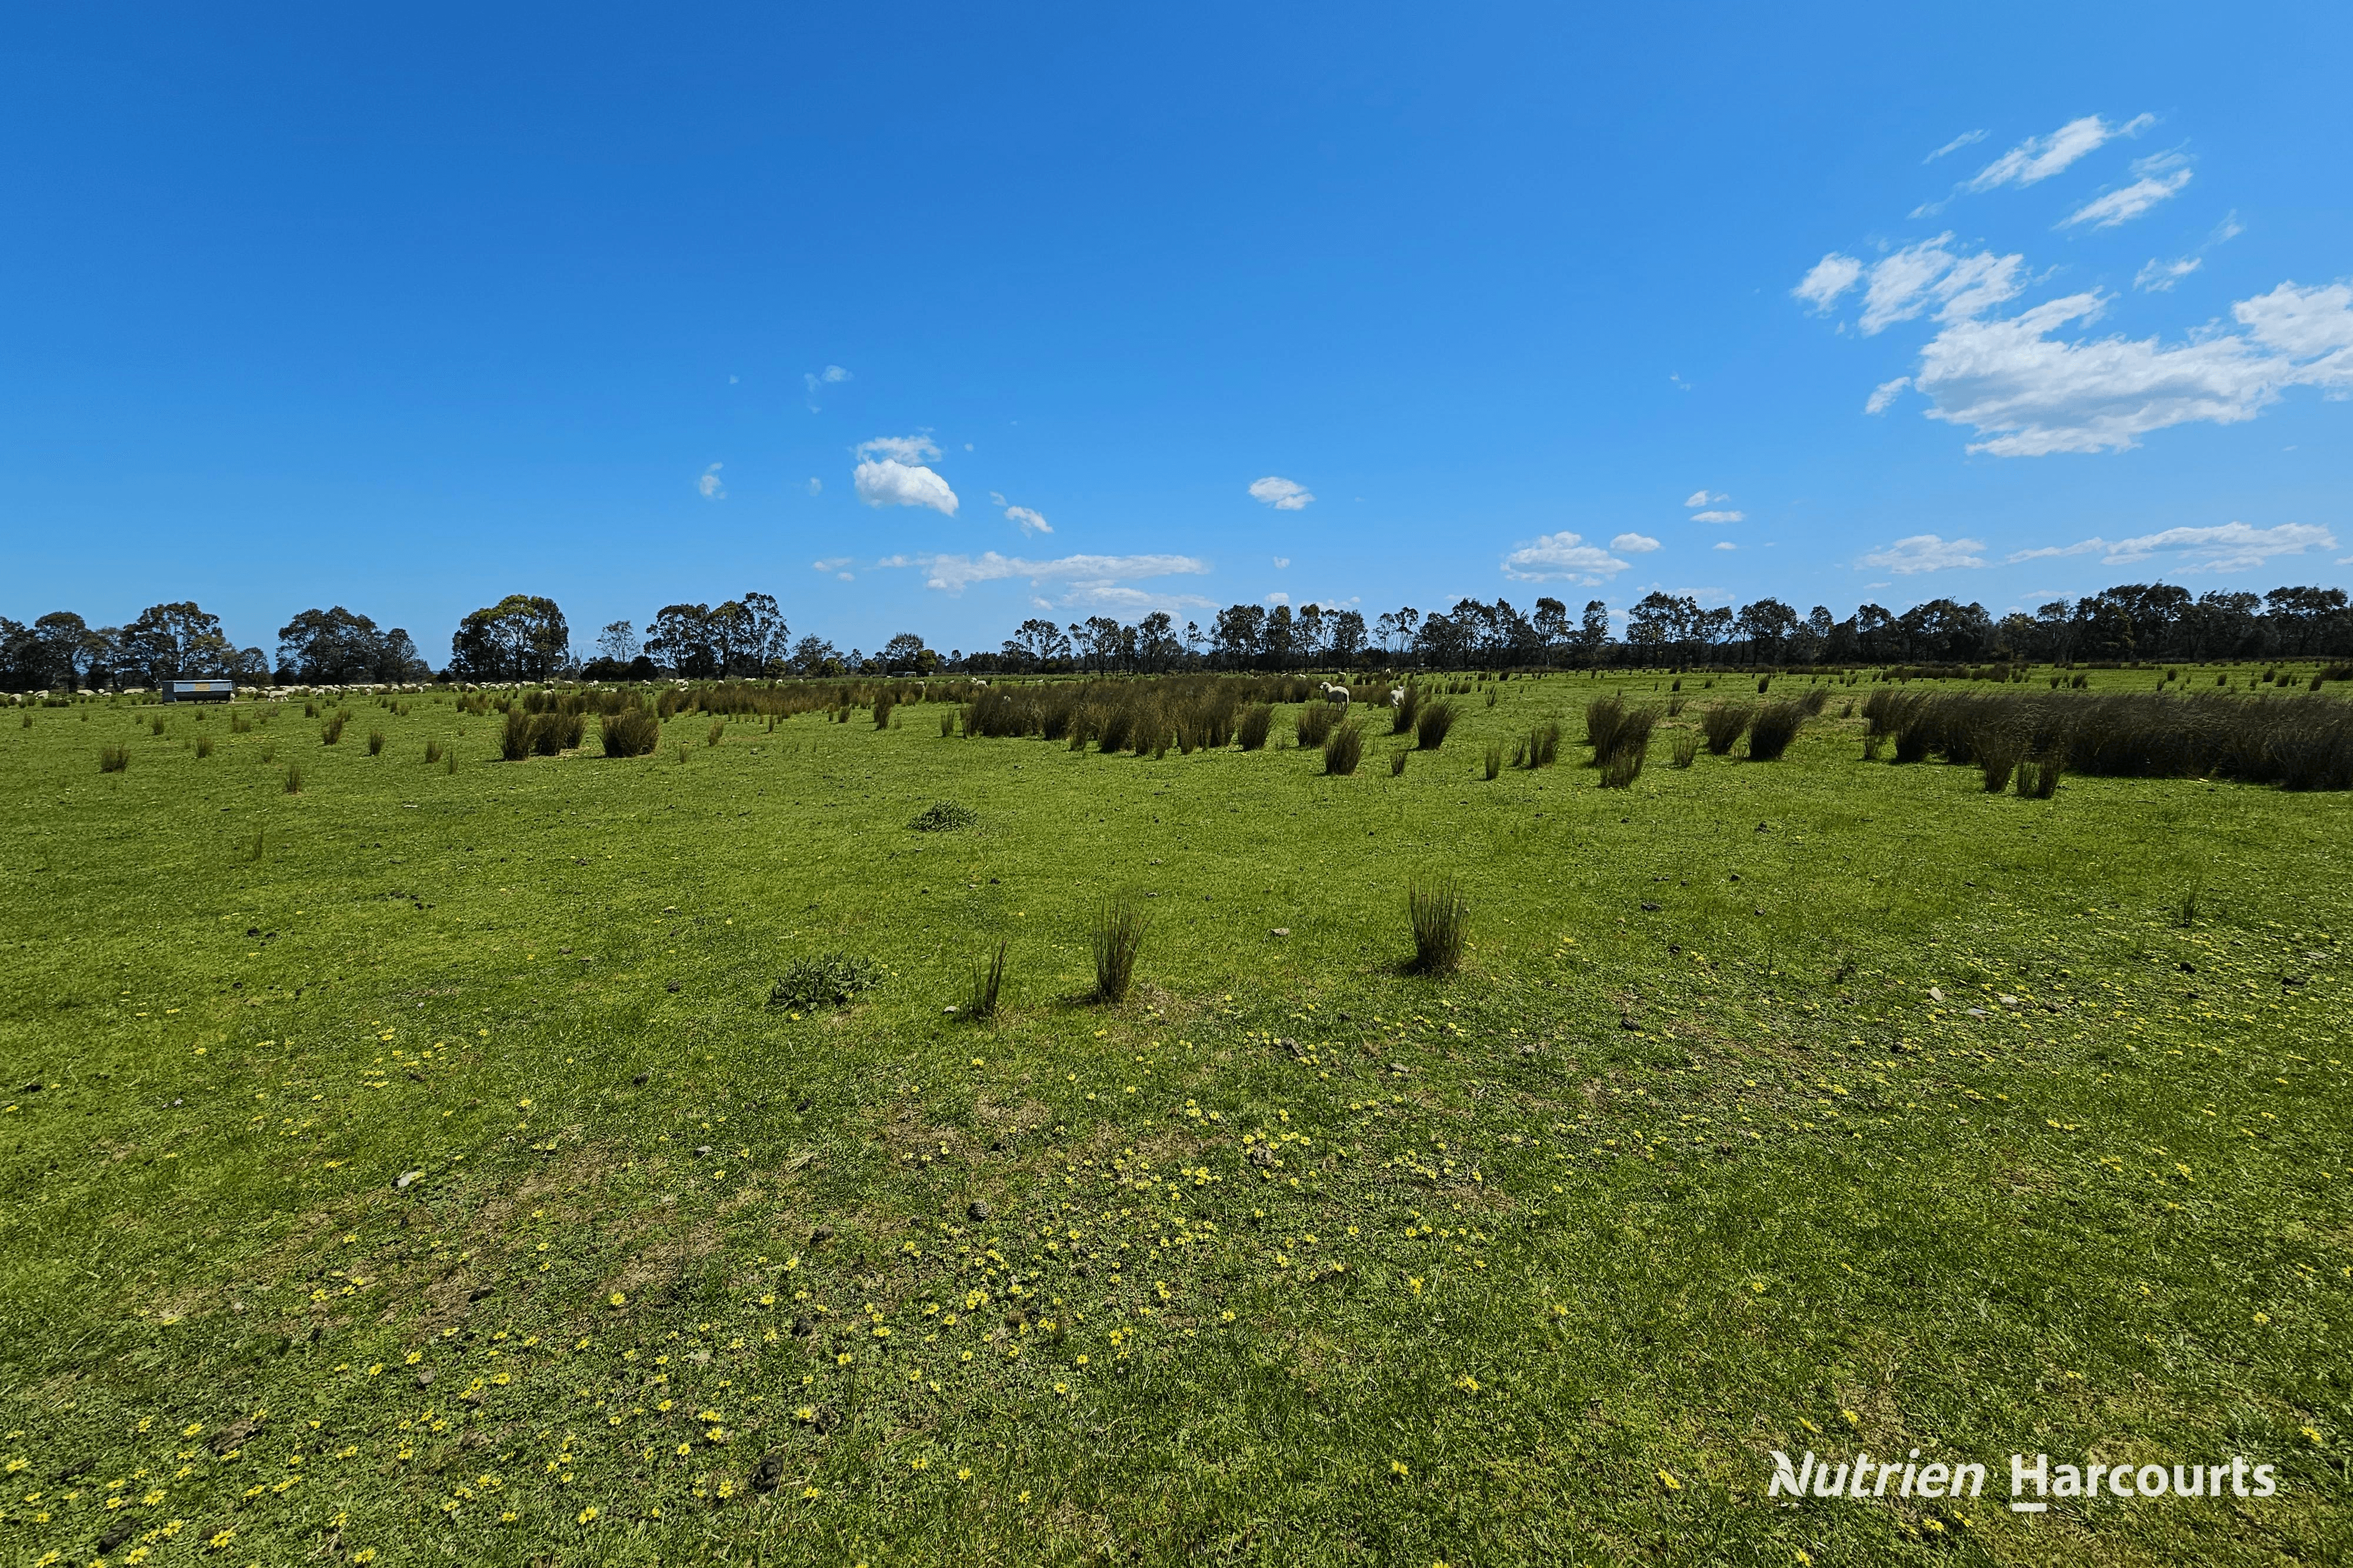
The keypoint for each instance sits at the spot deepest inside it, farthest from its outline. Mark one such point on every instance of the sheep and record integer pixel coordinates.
(1397, 696)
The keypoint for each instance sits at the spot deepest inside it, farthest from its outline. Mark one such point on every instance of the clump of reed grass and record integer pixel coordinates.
(1397, 764)
(2038, 776)
(1440, 917)
(827, 980)
(1344, 747)
(1407, 712)
(1315, 723)
(947, 725)
(432, 752)
(1494, 759)
(1723, 724)
(1815, 700)
(944, 816)
(1676, 705)
(556, 730)
(1686, 750)
(204, 745)
(514, 736)
(261, 844)
(1620, 768)
(1256, 722)
(1115, 938)
(883, 702)
(1541, 749)
(1491, 696)
(718, 731)
(293, 778)
(1620, 739)
(1431, 725)
(114, 759)
(333, 734)
(2185, 909)
(1771, 730)
(449, 762)
(155, 726)
(1870, 744)
(1998, 752)
(375, 743)
(239, 724)
(632, 732)
(986, 981)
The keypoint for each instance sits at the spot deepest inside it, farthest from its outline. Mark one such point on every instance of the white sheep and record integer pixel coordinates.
(1397, 696)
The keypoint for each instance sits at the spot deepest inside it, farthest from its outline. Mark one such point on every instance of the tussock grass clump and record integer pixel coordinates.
(1315, 723)
(1723, 725)
(1397, 761)
(293, 778)
(1344, 747)
(1431, 725)
(1771, 730)
(1815, 700)
(204, 745)
(114, 759)
(1620, 739)
(1115, 938)
(514, 736)
(449, 762)
(1541, 749)
(432, 752)
(1686, 750)
(333, 732)
(1494, 759)
(944, 816)
(1620, 768)
(375, 743)
(947, 725)
(556, 731)
(719, 729)
(154, 726)
(828, 980)
(1441, 916)
(239, 724)
(2038, 777)
(631, 733)
(883, 702)
(1604, 718)
(1407, 711)
(1998, 751)
(1256, 722)
(986, 980)
(261, 844)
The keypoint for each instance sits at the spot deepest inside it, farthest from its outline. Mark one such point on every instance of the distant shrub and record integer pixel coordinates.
(631, 733)
(1344, 747)
(114, 759)
(1256, 722)
(1771, 730)
(828, 980)
(944, 816)
(1440, 917)
(1431, 725)
(1116, 937)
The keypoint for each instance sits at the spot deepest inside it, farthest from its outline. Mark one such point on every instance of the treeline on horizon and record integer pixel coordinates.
(525, 638)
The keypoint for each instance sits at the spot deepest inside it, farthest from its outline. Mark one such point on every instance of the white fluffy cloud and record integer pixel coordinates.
(1719, 517)
(1926, 552)
(1088, 578)
(1726, 544)
(2160, 177)
(2225, 547)
(1635, 544)
(709, 487)
(891, 472)
(2159, 277)
(1022, 517)
(1830, 276)
(2039, 157)
(2030, 392)
(1562, 556)
(1919, 276)
(1283, 495)
(1701, 498)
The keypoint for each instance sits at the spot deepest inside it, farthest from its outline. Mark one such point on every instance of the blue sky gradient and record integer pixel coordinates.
(412, 308)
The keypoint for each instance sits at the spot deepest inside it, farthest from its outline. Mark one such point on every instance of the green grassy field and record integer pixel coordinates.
(1819, 1104)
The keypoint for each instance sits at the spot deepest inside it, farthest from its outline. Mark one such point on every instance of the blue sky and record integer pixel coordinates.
(411, 308)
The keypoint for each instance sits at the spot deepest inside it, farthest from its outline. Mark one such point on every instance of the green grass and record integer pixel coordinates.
(1306, 1259)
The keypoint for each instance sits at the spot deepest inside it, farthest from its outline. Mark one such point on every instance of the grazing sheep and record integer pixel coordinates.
(1397, 696)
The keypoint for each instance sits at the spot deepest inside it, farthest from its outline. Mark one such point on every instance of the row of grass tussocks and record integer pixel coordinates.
(2299, 743)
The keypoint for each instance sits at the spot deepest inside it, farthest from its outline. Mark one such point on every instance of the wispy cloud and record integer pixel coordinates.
(1562, 556)
(1885, 393)
(2159, 277)
(1094, 578)
(815, 485)
(1283, 495)
(1719, 517)
(1828, 278)
(816, 380)
(1965, 138)
(1726, 544)
(837, 564)
(2160, 177)
(1022, 516)
(2038, 158)
(1925, 552)
(2225, 547)
(1635, 544)
(708, 485)
(1701, 498)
